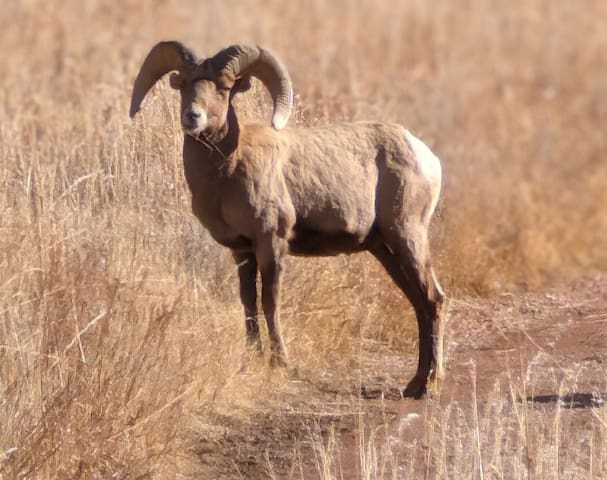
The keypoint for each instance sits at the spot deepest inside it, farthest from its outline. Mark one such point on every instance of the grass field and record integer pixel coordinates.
(121, 338)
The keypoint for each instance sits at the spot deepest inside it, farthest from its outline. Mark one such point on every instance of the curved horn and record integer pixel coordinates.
(163, 58)
(244, 60)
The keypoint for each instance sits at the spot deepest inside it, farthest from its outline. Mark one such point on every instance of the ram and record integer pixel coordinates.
(265, 192)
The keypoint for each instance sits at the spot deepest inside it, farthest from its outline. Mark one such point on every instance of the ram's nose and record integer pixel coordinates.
(194, 120)
(192, 117)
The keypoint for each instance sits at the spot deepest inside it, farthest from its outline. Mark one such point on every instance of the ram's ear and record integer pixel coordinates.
(241, 84)
(176, 81)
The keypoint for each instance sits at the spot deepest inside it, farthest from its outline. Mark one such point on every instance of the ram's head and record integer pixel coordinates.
(208, 86)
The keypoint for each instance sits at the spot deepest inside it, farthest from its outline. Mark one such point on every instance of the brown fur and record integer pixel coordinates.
(343, 188)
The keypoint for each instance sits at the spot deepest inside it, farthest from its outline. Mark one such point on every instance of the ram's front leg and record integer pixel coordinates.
(247, 275)
(270, 256)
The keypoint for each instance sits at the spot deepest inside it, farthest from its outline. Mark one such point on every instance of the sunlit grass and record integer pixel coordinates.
(121, 340)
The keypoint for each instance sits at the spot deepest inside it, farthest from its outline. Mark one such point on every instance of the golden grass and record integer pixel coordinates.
(121, 341)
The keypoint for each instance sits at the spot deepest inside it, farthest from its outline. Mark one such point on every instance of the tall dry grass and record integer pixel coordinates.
(121, 342)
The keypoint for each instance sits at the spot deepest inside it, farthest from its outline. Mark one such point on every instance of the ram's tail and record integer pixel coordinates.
(429, 165)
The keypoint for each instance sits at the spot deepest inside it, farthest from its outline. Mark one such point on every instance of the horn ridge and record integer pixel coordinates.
(244, 60)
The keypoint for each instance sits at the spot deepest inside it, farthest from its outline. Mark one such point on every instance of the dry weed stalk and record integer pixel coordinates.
(512, 98)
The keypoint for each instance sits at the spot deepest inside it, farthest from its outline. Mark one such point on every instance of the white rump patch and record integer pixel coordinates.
(428, 164)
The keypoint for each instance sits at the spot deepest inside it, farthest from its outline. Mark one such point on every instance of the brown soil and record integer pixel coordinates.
(536, 342)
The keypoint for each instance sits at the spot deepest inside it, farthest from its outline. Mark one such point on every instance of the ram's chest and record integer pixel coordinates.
(239, 201)
(209, 208)
(209, 195)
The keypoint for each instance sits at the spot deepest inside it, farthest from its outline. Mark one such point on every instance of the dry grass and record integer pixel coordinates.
(120, 339)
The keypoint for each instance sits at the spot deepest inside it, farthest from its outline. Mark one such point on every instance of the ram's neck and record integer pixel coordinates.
(206, 159)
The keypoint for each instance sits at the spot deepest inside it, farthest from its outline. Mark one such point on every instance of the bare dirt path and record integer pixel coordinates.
(514, 365)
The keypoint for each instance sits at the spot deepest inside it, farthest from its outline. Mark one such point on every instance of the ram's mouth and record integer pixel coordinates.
(193, 132)
(198, 132)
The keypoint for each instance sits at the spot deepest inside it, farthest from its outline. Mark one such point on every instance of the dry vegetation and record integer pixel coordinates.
(121, 341)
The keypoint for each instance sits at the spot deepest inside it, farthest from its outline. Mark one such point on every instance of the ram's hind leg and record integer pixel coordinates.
(407, 260)
(247, 274)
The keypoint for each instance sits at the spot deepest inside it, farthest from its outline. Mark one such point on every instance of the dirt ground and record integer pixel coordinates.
(512, 365)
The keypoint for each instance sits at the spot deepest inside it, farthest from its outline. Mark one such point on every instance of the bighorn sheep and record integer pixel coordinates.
(267, 192)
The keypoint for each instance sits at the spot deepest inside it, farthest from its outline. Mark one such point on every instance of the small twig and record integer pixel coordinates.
(210, 145)
(81, 332)
(157, 412)
(77, 182)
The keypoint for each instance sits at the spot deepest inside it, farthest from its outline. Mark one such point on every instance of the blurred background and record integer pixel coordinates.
(118, 313)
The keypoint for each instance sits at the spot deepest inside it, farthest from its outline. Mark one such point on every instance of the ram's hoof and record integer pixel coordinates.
(254, 346)
(278, 361)
(416, 388)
